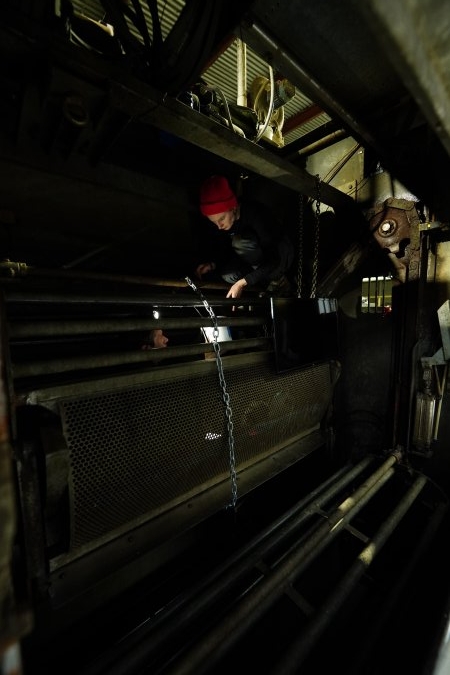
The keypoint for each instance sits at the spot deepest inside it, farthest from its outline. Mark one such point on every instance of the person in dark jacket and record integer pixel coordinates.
(261, 254)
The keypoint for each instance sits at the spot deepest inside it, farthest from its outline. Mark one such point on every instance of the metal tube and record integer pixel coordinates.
(55, 366)
(47, 394)
(141, 645)
(299, 651)
(23, 270)
(191, 300)
(259, 599)
(33, 329)
(241, 73)
(420, 547)
(322, 142)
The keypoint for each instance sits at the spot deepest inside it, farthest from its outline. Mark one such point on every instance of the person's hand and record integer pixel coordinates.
(236, 289)
(204, 268)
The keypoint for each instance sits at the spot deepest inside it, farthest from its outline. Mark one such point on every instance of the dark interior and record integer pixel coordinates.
(277, 501)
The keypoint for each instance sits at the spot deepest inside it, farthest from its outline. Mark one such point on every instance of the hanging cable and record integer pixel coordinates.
(217, 90)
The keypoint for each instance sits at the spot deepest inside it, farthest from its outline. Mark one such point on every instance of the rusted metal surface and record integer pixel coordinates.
(395, 227)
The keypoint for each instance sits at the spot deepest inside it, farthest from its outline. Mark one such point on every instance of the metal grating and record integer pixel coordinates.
(137, 452)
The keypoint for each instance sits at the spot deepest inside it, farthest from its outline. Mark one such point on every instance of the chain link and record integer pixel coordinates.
(300, 245)
(225, 394)
(316, 240)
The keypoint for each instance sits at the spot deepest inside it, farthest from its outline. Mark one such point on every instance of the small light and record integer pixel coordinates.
(155, 314)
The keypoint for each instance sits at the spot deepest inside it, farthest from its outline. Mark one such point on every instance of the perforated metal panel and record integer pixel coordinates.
(134, 453)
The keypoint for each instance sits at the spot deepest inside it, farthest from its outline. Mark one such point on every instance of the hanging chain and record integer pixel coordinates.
(225, 394)
(300, 245)
(316, 240)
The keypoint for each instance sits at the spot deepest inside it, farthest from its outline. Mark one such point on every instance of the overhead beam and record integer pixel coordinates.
(174, 117)
(139, 100)
(259, 39)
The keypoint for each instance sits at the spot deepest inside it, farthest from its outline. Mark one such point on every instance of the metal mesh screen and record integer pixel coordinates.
(136, 452)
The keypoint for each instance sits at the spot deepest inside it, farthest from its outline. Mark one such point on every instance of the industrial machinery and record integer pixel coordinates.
(272, 487)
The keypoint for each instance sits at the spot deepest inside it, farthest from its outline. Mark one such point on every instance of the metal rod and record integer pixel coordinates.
(294, 657)
(47, 394)
(55, 366)
(23, 270)
(241, 56)
(145, 640)
(322, 142)
(259, 599)
(421, 546)
(33, 329)
(191, 300)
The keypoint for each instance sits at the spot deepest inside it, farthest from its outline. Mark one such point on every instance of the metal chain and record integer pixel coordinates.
(225, 394)
(300, 245)
(316, 240)
(267, 333)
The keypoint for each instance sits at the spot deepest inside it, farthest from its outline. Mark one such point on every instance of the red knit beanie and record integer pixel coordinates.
(216, 196)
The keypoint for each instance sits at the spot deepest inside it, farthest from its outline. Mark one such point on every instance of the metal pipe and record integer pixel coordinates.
(140, 645)
(421, 546)
(18, 269)
(191, 300)
(259, 599)
(241, 73)
(33, 329)
(55, 366)
(322, 142)
(294, 656)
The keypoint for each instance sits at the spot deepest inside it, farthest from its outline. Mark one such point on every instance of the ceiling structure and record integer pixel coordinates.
(379, 73)
(302, 115)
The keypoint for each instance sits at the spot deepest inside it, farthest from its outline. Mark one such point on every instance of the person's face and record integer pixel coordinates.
(159, 339)
(225, 220)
